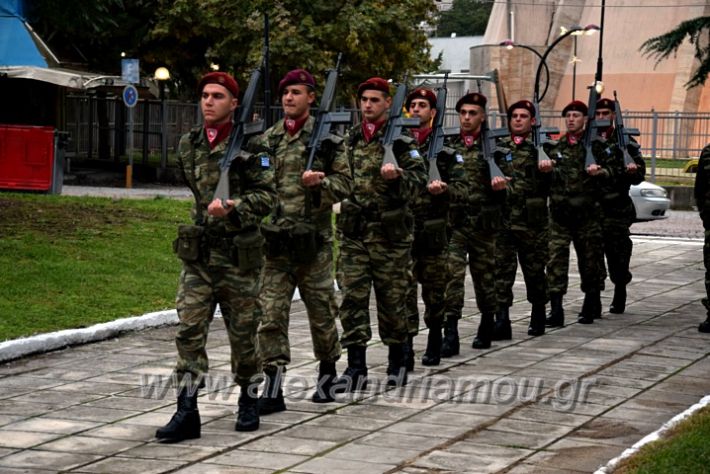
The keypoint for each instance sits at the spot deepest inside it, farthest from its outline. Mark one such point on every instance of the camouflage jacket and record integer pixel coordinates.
(527, 181)
(702, 184)
(290, 159)
(615, 190)
(371, 190)
(427, 205)
(251, 183)
(473, 187)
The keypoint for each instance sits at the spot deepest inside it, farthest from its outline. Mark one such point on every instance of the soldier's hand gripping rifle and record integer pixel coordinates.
(541, 135)
(438, 134)
(623, 134)
(325, 119)
(395, 123)
(590, 130)
(488, 145)
(243, 129)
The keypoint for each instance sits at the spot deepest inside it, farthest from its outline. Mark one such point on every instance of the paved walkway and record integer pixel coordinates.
(565, 402)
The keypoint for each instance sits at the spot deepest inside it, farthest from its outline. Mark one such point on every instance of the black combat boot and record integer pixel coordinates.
(409, 353)
(272, 398)
(618, 304)
(450, 343)
(324, 387)
(537, 320)
(248, 413)
(485, 332)
(556, 316)
(502, 330)
(185, 423)
(596, 303)
(355, 376)
(432, 354)
(586, 316)
(705, 325)
(396, 370)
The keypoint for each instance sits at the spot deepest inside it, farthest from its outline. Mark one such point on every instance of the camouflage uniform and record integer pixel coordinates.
(618, 209)
(476, 220)
(367, 256)
(702, 199)
(215, 278)
(525, 234)
(284, 270)
(575, 216)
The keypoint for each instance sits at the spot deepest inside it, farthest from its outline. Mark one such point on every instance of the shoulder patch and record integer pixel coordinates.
(414, 154)
(509, 157)
(265, 162)
(459, 158)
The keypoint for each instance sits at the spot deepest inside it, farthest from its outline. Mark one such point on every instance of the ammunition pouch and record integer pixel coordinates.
(433, 238)
(275, 238)
(490, 218)
(350, 219)
(305, 242)
(617, 205)
(190, 243)
(247, 250)
(571, 211)
(396, 224)
(537, 214)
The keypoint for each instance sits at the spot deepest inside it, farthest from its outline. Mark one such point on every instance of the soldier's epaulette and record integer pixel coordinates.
(407, 140)
(334, 139)
(503, 150)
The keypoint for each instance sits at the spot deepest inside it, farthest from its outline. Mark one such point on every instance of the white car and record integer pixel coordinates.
(650, 201)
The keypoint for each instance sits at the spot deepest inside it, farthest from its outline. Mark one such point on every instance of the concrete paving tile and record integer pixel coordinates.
(98, 388)
(51, 425)
(329, 466)
(448, 461)
(281, 443)
(207, 468)
(128, 466)
(614, 431)
(56, 398)
(174, 452)
(622, 382)
(90, 413)
(476, 450)
(349, 422)
(378, 412)
(539, 413)
(89, 445)
(125, 431)
(134, 404)
(424, 429)
(7, 419)
(24, 439)
(35, 458)
(535, 469)
(511, 439)
(259, 459)
(7, 451)
(532, 427)
(322, 433)
(365, 453)
(441, 417)
(398, 440)
(696, 386)
(573, 455)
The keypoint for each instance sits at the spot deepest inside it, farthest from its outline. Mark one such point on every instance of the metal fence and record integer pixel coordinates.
(98, 128)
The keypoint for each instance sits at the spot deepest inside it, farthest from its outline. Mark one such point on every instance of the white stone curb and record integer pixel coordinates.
(611, 465)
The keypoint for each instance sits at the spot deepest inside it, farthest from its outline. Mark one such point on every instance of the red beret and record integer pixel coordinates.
(374, 83)
(577, 106)
(605, 104)
(473, 98)
(297, 77)
(522, 104)
(221, 78)
(421, 93)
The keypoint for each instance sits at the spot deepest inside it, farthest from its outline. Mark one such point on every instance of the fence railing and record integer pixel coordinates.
(99, 127)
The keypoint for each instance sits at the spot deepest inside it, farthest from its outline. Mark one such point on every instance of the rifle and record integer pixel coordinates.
(436, 143)
(395, 123)
(590, 131)
(325, 119)
(243, 128)
(540, 134)
(488, 145)
(623, 134)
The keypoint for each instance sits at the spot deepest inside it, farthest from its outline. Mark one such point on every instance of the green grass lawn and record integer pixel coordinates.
(684, 450)
(69, 262)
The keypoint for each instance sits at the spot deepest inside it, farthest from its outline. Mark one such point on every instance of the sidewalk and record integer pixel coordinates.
(565, 402)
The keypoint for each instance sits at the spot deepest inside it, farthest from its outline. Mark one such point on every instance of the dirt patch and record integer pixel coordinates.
(606, 429)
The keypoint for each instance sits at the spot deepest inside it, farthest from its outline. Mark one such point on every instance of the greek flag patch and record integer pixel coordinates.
(509, 157)
(459, 158)
(414, 154)
(265, 161)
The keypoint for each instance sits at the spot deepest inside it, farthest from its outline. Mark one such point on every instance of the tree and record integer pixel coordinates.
(661, 47)
(465, 18)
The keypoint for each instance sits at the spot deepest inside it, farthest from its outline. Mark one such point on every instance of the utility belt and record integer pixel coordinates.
(353, 219)
(301, 242)
(432, 237)
(245, 248)
(537, 214)
(571, 210)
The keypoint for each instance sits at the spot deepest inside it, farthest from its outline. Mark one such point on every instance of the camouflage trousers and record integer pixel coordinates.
(706, 261)
(529, 245)
(587, 240)
(279, 279)
(200, 289)
(386, 266)
(431, 272)
(480, 248)
(617, 249)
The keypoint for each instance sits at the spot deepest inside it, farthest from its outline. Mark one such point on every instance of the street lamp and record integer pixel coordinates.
(510, 44)
(162, 75)
(575, 30)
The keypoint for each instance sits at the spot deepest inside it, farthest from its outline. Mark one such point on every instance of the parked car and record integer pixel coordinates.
(650, 201)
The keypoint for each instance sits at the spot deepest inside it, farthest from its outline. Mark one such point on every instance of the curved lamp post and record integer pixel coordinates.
(162, 75)
(575, 30)
(510, 44)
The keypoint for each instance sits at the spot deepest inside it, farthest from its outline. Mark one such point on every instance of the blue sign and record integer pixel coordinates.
(130, 71)
(130, 95)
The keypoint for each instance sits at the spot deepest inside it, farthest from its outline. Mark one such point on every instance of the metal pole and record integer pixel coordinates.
(600, 61)
(267, 83)
(574, 70)
(129, 170)
(163, 129)
(654, 143)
